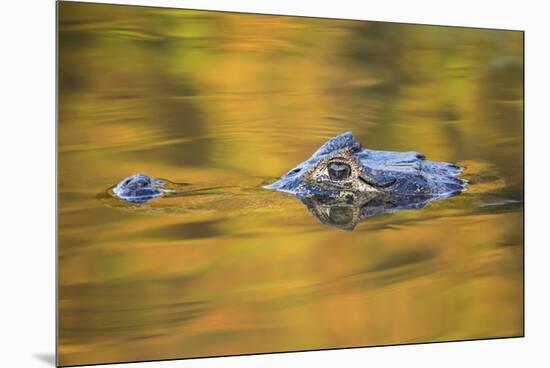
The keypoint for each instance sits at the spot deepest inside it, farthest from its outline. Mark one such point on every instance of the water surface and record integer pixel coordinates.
(230, 102)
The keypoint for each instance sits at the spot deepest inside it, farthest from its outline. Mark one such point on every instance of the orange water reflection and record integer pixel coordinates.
(217, 99)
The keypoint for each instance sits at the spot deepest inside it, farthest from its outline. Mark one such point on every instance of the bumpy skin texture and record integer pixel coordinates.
(139, 188)
(399, 173)
(366, 182)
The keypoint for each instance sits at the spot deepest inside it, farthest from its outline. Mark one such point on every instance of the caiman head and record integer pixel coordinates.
(341, 168)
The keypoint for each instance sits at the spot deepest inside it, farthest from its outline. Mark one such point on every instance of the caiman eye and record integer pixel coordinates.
(338, 171)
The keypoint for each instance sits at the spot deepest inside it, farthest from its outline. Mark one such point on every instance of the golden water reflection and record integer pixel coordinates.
(233, 101)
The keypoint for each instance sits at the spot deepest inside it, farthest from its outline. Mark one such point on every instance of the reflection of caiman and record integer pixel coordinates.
(347, 213)
(342, 183)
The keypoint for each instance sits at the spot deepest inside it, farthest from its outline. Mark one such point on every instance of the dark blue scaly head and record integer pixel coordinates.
(333, 169)
(342, 168)
(139, 188)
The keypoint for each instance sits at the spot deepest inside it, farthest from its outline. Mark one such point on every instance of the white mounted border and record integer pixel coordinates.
(28, 181)
(481, 13)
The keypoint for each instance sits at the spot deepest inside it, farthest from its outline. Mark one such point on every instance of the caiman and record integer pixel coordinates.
(341, 184)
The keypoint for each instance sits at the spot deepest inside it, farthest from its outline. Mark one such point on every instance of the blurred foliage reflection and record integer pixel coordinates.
(235, 100)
